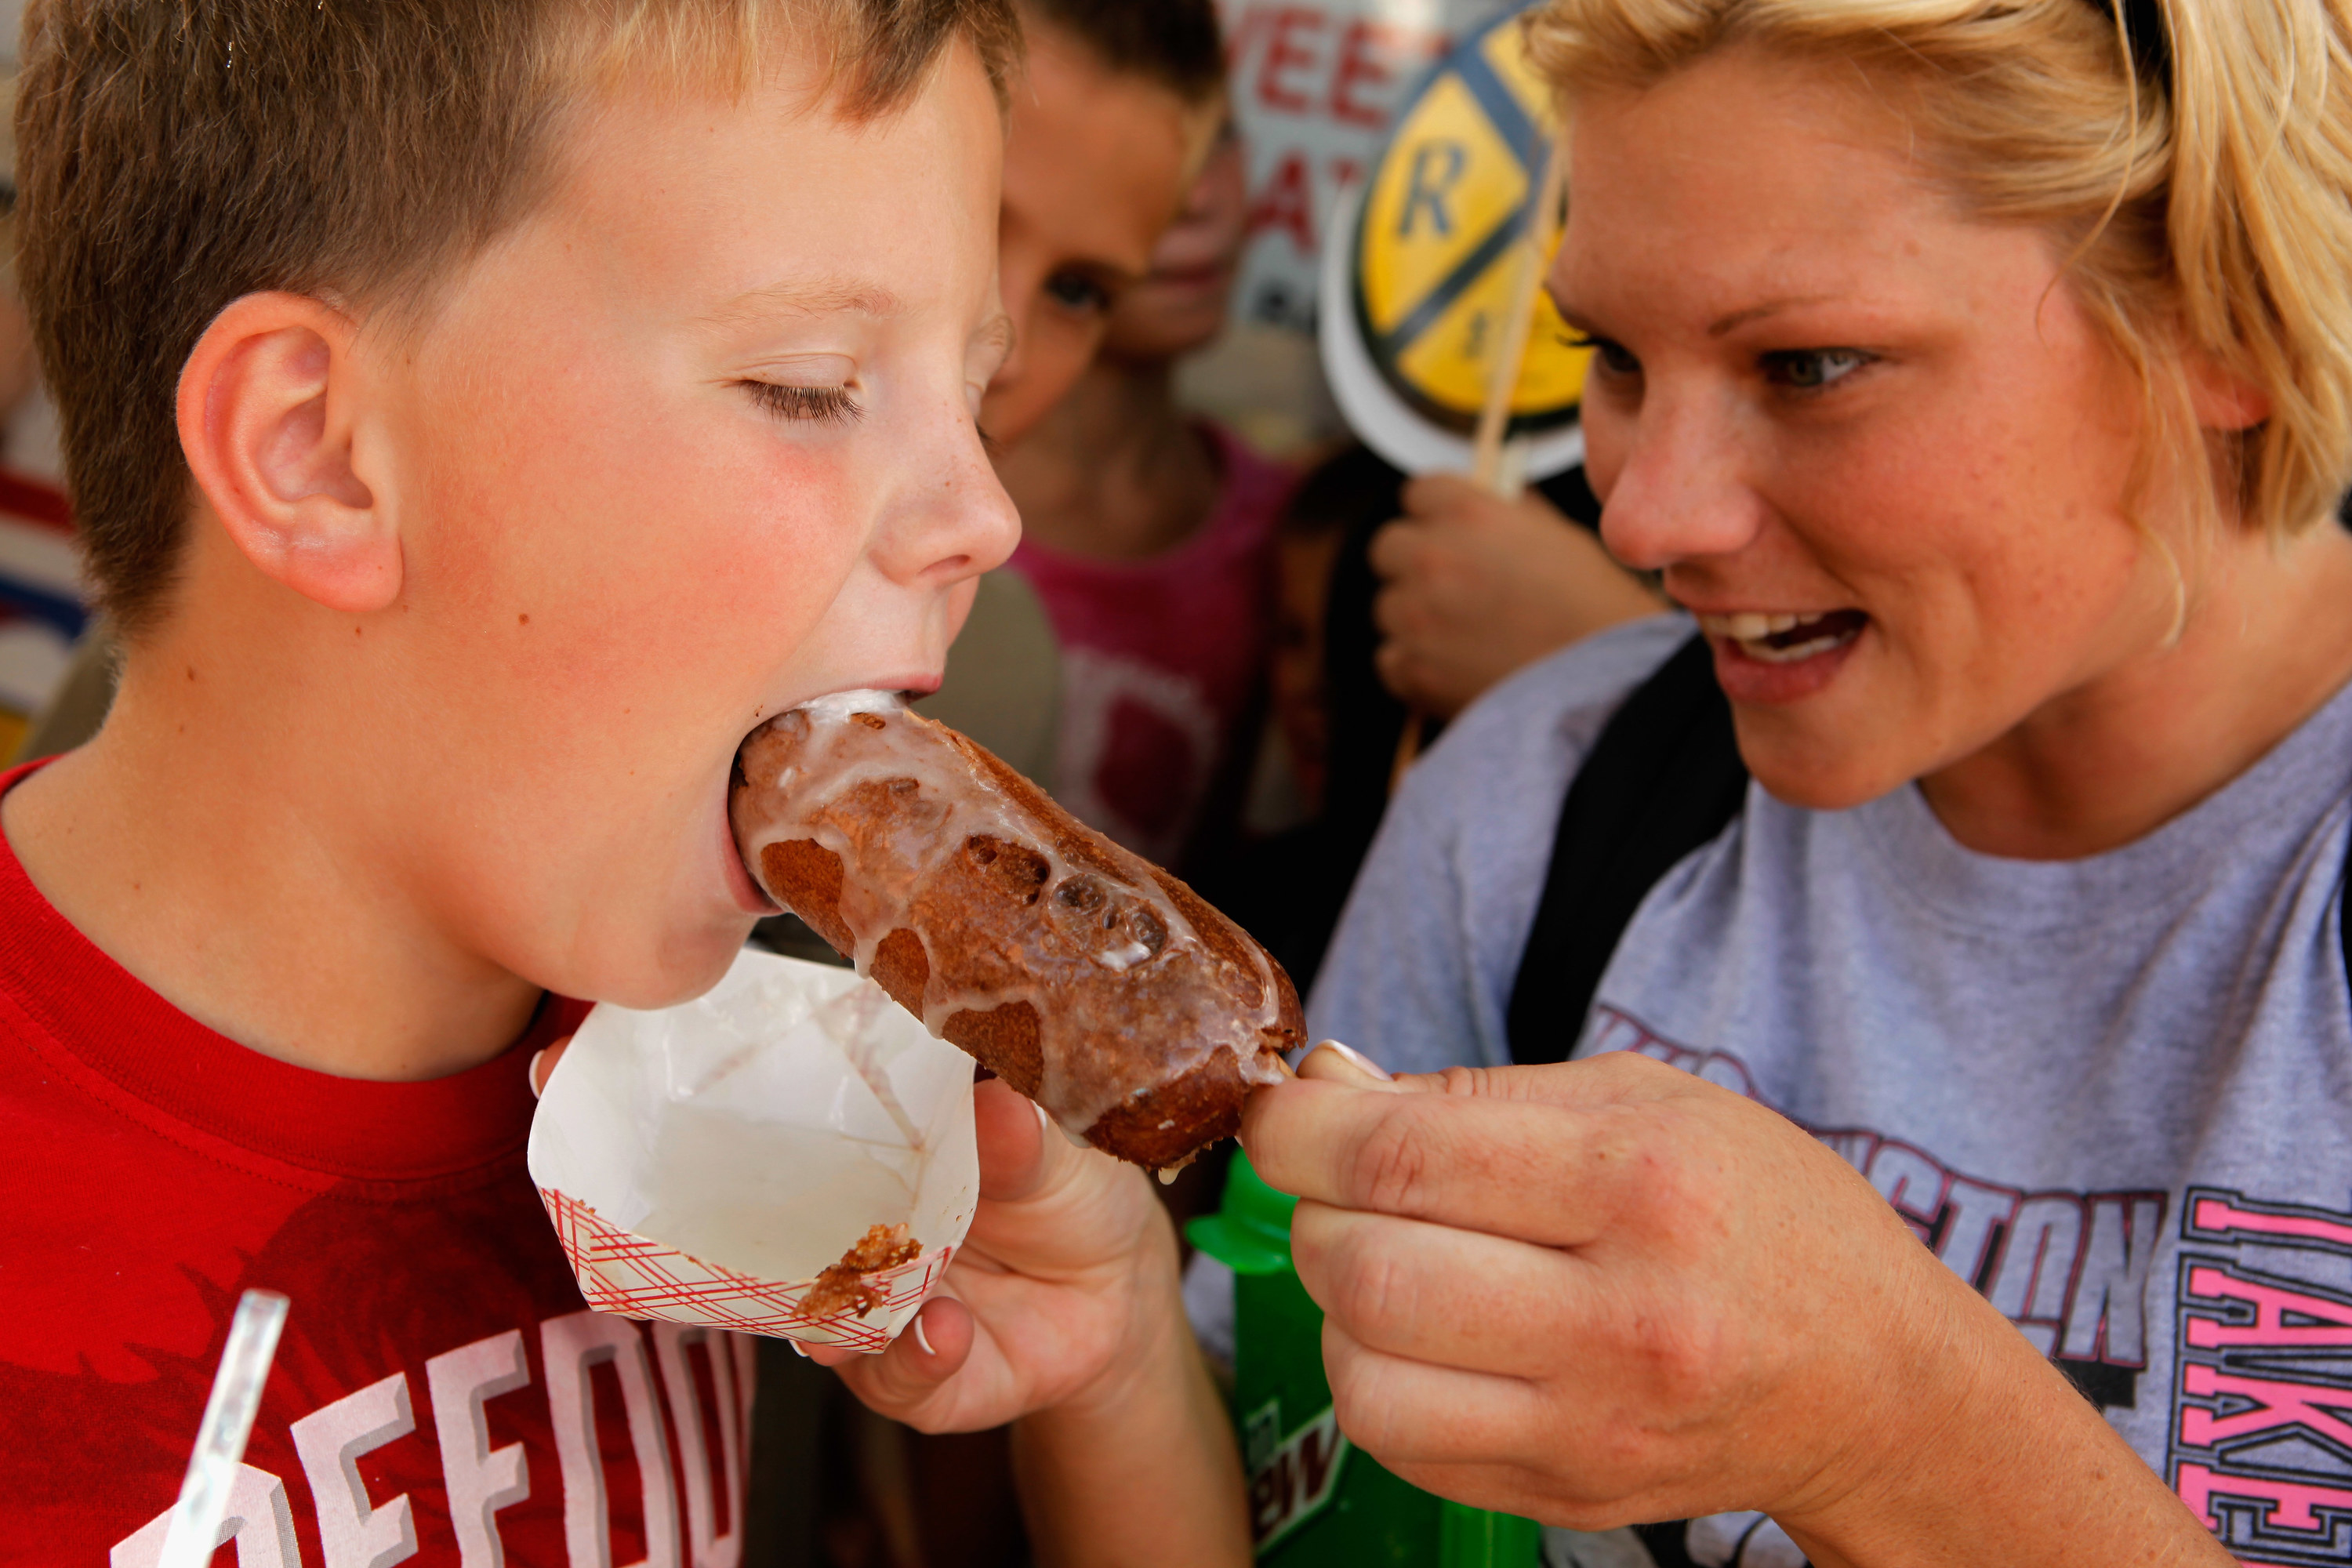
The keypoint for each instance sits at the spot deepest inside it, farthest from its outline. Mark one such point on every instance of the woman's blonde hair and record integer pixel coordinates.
(2194, 158)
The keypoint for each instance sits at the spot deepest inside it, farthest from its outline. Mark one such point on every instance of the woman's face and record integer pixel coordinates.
(1874, 444)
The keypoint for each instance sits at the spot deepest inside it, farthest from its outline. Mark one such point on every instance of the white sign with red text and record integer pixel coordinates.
(1313, 84)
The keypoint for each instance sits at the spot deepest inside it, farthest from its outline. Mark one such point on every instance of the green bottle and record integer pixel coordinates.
(1315, 1500)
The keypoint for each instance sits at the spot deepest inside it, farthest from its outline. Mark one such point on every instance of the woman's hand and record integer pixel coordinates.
(1609, 1291)
(1476, 586)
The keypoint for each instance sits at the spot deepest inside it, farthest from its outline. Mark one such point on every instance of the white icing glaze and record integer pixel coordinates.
(1099, 954)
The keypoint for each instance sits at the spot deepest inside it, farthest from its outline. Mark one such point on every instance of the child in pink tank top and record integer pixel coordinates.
(1149, 536)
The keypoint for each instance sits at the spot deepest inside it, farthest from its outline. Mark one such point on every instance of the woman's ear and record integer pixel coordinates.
(267, 406)
(2224, 400)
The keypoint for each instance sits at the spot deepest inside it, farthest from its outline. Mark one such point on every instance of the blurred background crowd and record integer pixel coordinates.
(1225, 614)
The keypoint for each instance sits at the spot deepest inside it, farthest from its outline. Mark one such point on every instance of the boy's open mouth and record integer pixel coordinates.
(1785, 639)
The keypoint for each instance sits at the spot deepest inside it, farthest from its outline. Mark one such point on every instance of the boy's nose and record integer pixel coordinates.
(995, 520)
(1682, 492)
(957, 523)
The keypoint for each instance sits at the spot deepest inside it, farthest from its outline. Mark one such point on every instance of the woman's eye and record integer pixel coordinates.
(1077, 292)
(820, 405)
(1810, 370)
(1613, 356)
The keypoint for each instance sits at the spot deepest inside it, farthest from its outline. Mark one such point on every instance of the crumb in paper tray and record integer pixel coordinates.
(842, 1285)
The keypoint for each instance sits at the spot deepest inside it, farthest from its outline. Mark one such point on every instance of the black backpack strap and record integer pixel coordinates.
(1663, 779)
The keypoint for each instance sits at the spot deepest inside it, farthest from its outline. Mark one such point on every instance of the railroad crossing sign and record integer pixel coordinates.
(1415, 304)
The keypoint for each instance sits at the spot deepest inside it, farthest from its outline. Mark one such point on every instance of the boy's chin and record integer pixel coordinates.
(669, 968)
(674, 939)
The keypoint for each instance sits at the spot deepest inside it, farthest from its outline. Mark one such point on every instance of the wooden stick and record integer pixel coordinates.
(1408, 750)
(1487, 466)
(1503, 379)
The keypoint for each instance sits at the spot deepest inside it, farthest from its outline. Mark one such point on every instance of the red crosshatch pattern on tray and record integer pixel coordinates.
(625, 1273)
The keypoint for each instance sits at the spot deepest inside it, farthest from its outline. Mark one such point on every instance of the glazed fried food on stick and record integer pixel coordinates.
(1086, 977)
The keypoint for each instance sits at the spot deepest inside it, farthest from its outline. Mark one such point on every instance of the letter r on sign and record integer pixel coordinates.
(1430, 186)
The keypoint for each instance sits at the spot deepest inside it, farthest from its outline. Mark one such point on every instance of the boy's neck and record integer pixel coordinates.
(212, 840)
(1116, 471)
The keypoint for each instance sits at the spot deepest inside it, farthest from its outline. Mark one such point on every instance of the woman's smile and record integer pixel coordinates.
(1778, 656)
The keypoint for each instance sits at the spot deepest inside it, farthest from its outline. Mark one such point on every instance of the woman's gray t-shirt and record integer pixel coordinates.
(2114, 1093)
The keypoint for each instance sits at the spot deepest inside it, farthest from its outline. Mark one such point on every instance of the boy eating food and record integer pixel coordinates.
(480, 416)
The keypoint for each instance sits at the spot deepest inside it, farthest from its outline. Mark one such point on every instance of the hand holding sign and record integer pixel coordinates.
(1475, 586)
(1448, 358)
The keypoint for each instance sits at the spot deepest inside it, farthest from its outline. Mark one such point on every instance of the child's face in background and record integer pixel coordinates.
(692, 444)
(1181, 305)
(1096, 164)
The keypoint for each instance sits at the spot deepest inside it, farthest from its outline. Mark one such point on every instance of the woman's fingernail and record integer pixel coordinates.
(798, 1348)
(536, 1057)
(1343, 1062)
(922, 1338)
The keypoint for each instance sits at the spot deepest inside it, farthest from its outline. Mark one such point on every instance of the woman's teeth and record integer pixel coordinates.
(1786, 639)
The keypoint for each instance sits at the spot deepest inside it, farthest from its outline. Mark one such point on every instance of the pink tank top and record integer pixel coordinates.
(1162, 659)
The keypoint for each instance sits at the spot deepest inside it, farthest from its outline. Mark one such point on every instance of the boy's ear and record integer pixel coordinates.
(266, 412)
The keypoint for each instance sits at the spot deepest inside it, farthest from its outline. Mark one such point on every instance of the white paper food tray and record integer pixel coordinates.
(704, 1163)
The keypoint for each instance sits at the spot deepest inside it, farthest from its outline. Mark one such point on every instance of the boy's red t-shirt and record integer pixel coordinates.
(441, 1393)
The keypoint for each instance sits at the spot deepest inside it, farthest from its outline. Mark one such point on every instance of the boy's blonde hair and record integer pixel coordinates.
(2193, 158)
(175, 154)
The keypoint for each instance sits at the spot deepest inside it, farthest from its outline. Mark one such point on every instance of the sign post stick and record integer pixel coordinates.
(1490, 466)
(1487, 467)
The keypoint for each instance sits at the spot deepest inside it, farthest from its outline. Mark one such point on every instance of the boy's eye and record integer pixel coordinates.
(1613, 355)
(1811, 369)
(823, 405)
(1077, 291)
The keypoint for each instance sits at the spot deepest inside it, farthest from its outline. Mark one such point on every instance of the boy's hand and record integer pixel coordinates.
(1066, 1284)
(1061, 1311)
(543, 1064)
(1064, 1290)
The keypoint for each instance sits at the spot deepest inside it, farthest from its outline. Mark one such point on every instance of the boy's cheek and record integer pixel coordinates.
(606, 644)
(707, 555)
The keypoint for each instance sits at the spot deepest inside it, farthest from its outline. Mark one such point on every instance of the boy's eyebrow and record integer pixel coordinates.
(812, 297)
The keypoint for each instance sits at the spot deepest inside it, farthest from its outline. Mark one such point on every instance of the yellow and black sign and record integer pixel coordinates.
(1438, 241)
